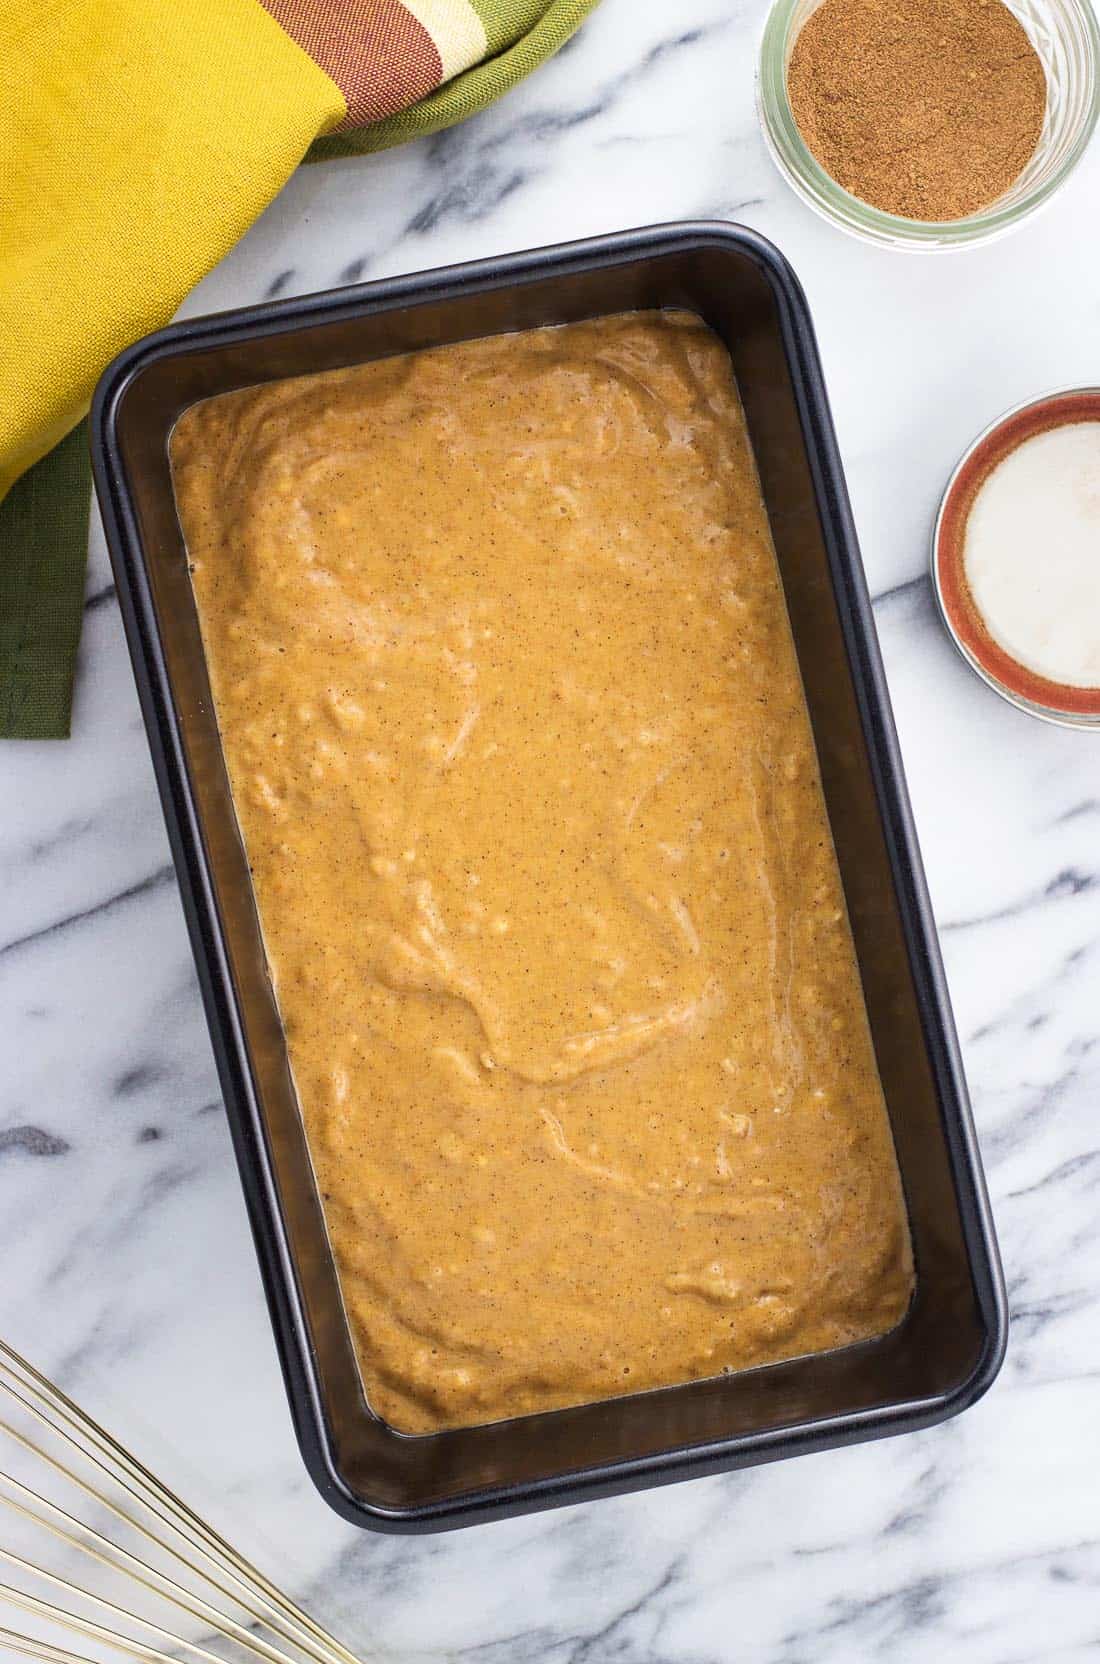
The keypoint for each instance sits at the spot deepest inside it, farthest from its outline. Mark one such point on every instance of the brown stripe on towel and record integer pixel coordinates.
(376, 51)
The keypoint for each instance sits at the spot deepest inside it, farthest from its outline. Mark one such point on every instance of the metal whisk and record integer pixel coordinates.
(100, 1553)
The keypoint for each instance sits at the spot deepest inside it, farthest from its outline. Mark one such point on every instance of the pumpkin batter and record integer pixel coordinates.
(525, 777)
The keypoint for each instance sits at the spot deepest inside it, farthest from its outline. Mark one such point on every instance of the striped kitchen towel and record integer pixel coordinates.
(138, 141)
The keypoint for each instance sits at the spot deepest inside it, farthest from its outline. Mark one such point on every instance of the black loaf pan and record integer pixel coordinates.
(949, 1347)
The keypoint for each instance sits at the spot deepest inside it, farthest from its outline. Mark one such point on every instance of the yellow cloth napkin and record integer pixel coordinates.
(138, 140)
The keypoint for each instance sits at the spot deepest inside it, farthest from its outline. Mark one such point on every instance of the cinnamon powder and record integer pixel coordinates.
(925, 108)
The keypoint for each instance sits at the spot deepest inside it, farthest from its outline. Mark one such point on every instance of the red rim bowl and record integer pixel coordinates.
(1075, 707)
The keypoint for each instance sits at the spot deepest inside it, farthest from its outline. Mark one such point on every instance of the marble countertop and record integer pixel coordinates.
(128, 1271)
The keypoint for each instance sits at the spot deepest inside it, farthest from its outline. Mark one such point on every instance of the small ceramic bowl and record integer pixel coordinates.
(1065, 703)
(1063, 32)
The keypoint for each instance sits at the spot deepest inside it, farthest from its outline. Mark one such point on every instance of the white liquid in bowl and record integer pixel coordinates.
(1032, 554)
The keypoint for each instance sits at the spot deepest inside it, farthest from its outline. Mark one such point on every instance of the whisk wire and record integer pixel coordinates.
(143, 1487)
(45, 1651)
(140, 1570)
(90, 1630)
(134, 1497)
(272, 1617)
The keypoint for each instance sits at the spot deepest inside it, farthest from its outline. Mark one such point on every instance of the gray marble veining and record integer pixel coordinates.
(127, 1267)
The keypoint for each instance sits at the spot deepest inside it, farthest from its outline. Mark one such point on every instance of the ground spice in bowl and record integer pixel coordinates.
(929, 109)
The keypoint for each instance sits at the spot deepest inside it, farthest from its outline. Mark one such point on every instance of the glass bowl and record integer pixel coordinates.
(1063, 32)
